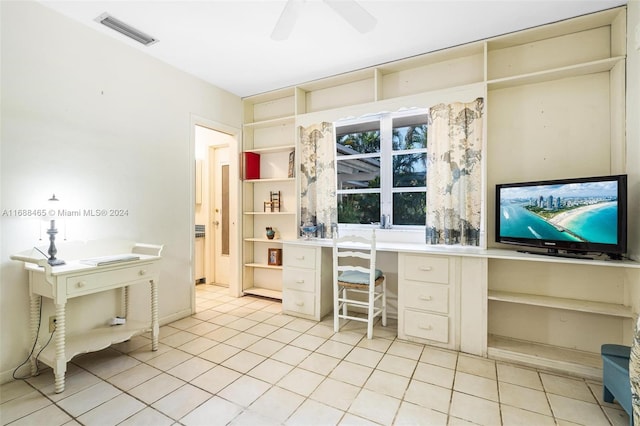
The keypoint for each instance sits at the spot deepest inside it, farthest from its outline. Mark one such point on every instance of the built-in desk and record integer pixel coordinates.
(76, 279)
(543, 311)
(423, 288)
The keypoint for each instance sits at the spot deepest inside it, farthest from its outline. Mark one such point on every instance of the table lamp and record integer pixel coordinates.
(53, 231)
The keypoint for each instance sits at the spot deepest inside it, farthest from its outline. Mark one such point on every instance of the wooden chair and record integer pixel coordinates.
(356, 282)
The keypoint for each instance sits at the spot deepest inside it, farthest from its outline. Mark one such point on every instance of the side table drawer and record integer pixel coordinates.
(429, 297)
(298, 301)
(299, 279)
(426, 326)
(426, 269)
(300, 257)
(87, 283)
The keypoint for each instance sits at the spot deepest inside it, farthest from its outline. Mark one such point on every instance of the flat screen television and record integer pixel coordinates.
(568, 217)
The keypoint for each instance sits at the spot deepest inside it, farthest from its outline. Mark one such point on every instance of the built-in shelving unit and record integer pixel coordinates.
(543, 86)
(269, 131)
(555, 108)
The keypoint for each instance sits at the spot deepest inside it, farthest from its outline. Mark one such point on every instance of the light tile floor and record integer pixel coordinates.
(241, 362)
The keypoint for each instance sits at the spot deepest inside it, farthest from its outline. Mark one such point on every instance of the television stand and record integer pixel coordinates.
(556, 253)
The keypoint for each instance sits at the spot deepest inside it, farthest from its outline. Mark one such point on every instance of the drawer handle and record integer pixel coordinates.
(142, 272)
(81, 284)
(299, 257)
(299, 303)
(426, 268)
(299, 281)
(425, 327)
(426, 298)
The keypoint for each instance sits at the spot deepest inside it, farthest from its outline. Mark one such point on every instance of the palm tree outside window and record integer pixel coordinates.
(381, 169)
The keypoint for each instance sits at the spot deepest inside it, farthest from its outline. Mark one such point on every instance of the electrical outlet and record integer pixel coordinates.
(52, 324)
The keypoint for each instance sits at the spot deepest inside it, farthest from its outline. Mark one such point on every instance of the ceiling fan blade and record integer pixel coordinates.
(354, 14)
(287, 20)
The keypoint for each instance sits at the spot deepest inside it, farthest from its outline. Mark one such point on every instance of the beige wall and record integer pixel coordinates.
(101, 125)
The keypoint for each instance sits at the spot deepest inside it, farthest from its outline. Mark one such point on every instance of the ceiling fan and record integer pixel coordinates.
(349, 10)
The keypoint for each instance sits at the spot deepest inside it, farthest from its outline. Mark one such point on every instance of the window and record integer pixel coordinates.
(381, 169)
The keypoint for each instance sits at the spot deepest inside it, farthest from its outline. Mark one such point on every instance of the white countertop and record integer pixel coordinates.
(493, 253)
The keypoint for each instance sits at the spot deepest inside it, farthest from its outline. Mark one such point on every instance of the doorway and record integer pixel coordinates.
(214, 213)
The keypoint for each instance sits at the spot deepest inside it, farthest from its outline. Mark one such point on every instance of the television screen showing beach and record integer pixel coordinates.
(568, 212)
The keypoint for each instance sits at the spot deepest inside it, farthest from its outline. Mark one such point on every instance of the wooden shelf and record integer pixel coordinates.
(262, 266)
(562, 303)
(280, 121)
(270, 180)
(547, 31)
(269, 96)
(264, 292)
(263, 240)
(338, 80)
(555, 74)
(505, 254)
(580, 363)
(440, 56)
(95, 340)
(272, 149)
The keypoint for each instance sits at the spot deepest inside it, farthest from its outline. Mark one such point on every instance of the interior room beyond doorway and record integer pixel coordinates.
(212, 218)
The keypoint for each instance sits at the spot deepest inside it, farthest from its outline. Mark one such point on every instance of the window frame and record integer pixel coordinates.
(386, 155)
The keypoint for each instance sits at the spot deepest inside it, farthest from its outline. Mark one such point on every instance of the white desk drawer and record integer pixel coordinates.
(87, 283)
(429, 297)
(426, 326)
(298, 301)
(299, 279)
(426, 268)
(300, 257)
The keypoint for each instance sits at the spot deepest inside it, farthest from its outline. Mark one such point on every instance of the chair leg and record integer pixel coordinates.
(384, 303)
(345, 310)
(370, 318)
(336, 311)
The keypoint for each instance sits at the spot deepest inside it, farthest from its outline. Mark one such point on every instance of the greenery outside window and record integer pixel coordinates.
(381, 169)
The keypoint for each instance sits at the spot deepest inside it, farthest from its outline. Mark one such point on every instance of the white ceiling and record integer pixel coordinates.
(228, 43)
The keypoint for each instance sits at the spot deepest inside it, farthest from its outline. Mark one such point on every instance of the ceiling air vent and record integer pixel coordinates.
(126, 29)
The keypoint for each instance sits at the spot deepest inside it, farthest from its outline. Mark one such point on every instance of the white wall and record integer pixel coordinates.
(101, 125)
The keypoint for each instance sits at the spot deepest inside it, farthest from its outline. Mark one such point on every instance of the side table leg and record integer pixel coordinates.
(155, 328)
(35, 320)
(124, 311)
(60, 367)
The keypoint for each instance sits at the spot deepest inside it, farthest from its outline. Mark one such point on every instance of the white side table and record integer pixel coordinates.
(76, 279)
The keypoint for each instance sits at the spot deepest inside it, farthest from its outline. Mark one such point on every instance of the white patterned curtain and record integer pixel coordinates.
(454, 173)
(318, 176)
(634, 373)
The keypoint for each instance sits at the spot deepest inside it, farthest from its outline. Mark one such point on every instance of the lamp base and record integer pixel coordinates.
(56, 262)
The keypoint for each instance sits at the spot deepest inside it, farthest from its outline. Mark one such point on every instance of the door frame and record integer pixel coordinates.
(235, 289)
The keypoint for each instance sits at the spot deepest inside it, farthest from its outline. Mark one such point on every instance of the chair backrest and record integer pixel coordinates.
(355, 253)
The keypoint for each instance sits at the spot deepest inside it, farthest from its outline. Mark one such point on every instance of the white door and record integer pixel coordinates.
(220, 214)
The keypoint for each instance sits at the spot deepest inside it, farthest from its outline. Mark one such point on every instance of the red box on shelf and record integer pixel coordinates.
(250, 165)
